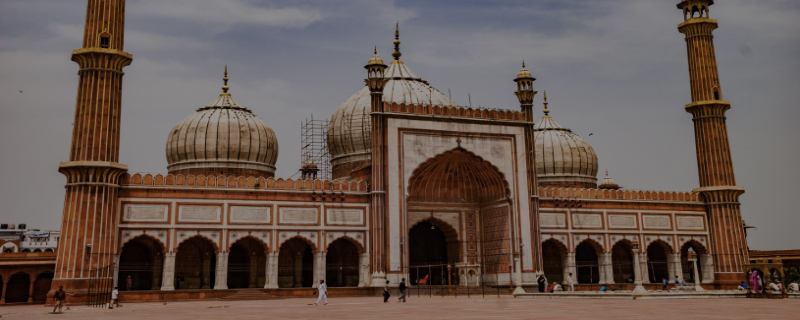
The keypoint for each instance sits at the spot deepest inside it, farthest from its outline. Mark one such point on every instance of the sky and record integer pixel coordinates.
(615, 69)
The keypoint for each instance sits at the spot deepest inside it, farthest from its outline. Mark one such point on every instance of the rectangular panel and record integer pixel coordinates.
(146, 212)
(622, 221)
(199, 213)
(553, 220)
(587, 220)
(291, 215)
(656, 221)
(340, 216)
(690, 222)
(250, 214)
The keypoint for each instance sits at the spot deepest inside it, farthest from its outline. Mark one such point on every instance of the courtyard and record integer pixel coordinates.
(504, 307)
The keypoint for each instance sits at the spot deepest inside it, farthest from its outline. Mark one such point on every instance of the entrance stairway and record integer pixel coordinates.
(463, 290)
(253, 294)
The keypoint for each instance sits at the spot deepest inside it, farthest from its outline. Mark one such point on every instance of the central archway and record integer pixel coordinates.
(477, 232)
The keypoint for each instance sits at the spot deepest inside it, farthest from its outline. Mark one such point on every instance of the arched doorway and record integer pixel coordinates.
(477, 235)
(657, 262)
(41, 286)
(622, 262)
(195, 264)
(586, 262)
(553, 256)
(296, 264)
(18, 288)
(140, 264)
(341, 264)
(247, 264)
(687, 266)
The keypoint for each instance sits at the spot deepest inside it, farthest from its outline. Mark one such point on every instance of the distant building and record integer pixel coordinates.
(27, 261)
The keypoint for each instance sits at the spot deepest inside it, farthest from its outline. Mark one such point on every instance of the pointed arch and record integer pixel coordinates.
(200, 236)
(457, 176)
(356, 243)
(300, 237)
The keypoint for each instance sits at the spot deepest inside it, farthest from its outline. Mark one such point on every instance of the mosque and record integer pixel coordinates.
(421, 189)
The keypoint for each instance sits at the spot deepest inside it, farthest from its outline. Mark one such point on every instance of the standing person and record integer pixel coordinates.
(545, 283)
(664, 286)
(59, 298)
(323, 292)
(569, 282)
(677, 282)
(128, 284)
(540, 281)
(386, 293)
(402, 289)
(114, 299)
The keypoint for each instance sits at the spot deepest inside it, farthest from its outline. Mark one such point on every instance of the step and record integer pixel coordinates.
(251, 295)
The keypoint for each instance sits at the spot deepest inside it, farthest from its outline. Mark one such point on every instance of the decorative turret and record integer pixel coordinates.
(525, 92)
(608, 183)
(375, 73)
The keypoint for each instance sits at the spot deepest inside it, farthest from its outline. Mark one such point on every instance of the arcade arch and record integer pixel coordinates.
(296, 263)
(622, 262)
(140, 264)
(247, 261)
(195, 263)
(587, 261)
(687, 267)
(554, 260)
(658, 262)
(342, 263)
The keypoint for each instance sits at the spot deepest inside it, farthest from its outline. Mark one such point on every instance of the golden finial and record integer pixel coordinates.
(376, 50)
(546, 111)
(225, 78)
(523, 64)
(396, 54)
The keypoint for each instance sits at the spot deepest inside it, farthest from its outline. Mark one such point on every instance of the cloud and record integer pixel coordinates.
(226, 13)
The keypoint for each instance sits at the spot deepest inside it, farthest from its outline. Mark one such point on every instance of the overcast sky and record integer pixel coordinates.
(616, 69)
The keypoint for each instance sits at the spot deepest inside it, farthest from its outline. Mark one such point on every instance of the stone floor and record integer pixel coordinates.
(505, 307)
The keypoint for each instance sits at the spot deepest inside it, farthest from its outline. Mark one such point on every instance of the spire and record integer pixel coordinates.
(225, 78)
(546, 111)
(396, 54)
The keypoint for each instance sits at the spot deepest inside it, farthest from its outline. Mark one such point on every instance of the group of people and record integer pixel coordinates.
(544, 286)
(322, 290)
(759, 285)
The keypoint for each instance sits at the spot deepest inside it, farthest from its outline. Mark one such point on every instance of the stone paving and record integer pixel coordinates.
(504, 307)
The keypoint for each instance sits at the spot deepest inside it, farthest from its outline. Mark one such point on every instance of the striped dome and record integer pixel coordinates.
(222, 138)
(562, 157)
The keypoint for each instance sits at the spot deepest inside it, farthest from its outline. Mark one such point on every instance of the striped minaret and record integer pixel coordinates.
(717, 184)
(93, 170)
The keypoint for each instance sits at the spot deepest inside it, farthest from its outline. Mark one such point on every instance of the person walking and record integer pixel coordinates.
(59, 298)
(386, 293)
(569, 282)
(402, 287)
(664, 286)
(323, 292)
(114, 299)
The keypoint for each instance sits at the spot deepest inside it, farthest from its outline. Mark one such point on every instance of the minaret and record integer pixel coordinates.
(375, 82)
(525, 94)
(93, 170)
(717, 184)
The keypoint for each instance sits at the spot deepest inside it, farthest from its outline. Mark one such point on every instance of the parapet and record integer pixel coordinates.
(454, 111)
(241, 182)
(584, 193)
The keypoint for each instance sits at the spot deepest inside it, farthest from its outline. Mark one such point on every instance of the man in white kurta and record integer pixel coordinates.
(569, 282)
(323, 292)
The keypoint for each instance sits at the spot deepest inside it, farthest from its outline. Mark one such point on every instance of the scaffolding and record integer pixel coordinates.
(314, 140)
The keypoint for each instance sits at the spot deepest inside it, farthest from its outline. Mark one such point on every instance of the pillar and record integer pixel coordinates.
(363, 272)
(253, 271)
(30, 290)
(116, 270)
(221, 278)
(3, 293)
(168, 272)
(319, 268)
(158, 262)
(517, 274)
(707, 262)
(272, 271)
(606, 271)
(718, 187)
(570, 267)
(645, 268)
(637, 274)
(674, 261)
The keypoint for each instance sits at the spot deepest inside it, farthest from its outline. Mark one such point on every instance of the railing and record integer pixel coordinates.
(101, 281)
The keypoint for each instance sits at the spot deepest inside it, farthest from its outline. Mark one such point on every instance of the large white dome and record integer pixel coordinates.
(222, 138)
(562, 157)
(349, 131)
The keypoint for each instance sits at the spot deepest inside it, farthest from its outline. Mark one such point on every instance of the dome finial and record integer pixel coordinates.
(523, 64)
(546, 111)
(396, 54)
(225, 78)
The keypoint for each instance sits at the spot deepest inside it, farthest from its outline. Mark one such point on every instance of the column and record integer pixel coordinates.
(678, 268)
(517, 274)
(319, 268)
(272, 271)
(168, 272)
(5, 286)
(363, 272)
(205, 276)
(637, 274)
(221, 278)
(644, 267)
(298, 271)
(569, 267)
(605, 269)
(116, 270)
(253, 271)
(671, 270)
(30, 290)
(707, 262)
(157, 271)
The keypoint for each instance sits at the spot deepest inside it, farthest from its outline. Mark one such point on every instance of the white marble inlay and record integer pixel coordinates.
(557, 220)
(587, 220)
(198, 213)
(689, 222)
(656, 221)
(145, 212)
(299, 215)
(250, 214)
(345, 216)
(622, 221)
